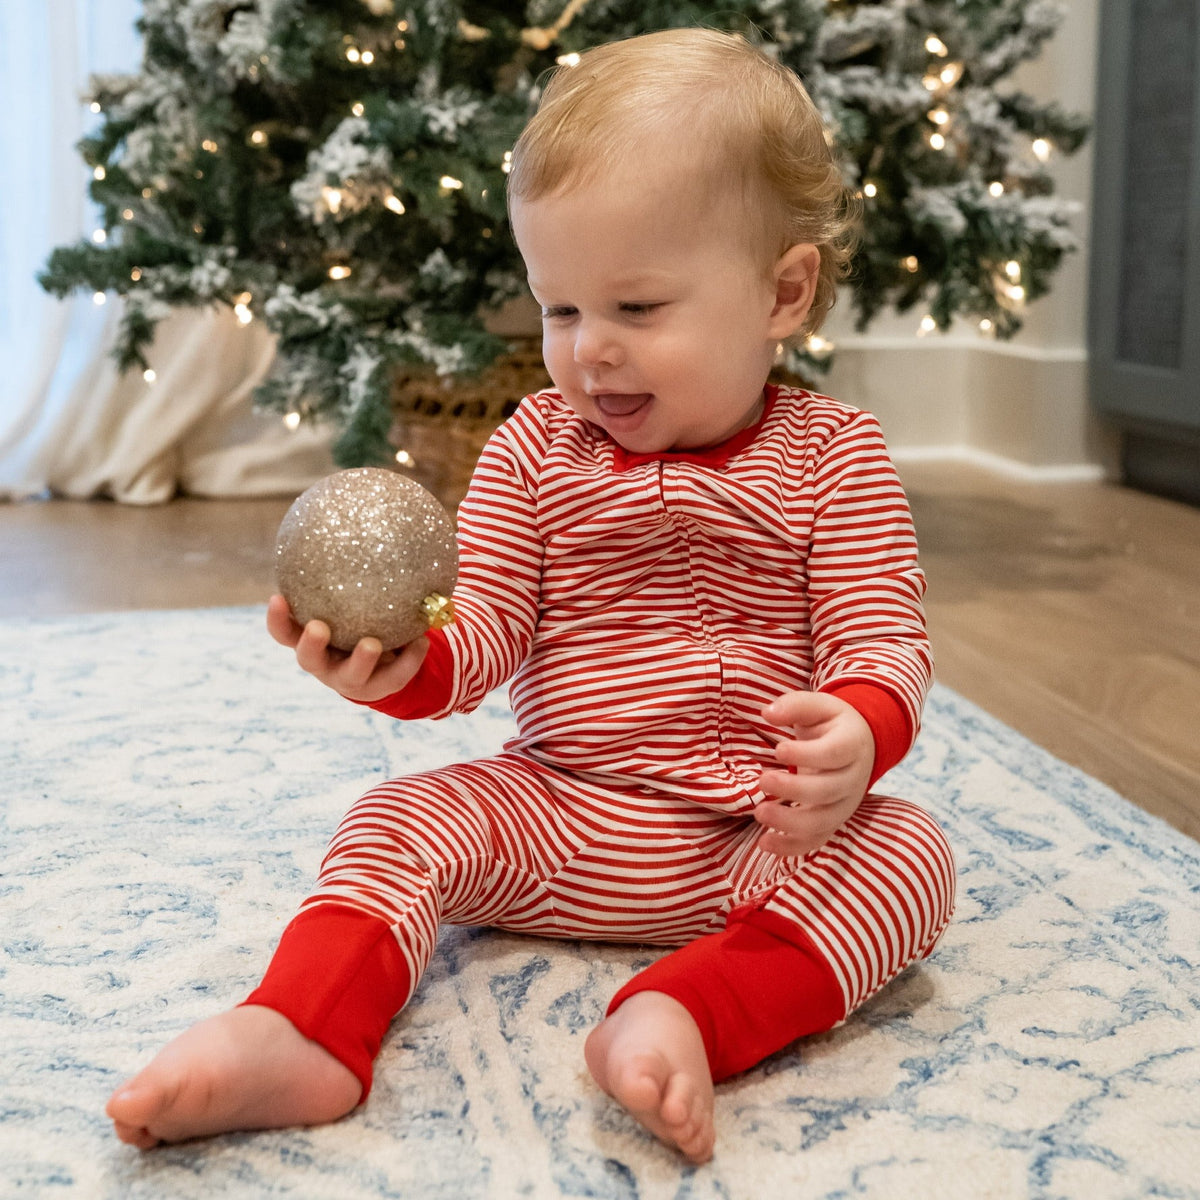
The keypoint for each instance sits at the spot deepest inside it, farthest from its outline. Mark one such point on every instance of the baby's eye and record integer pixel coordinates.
(556, 312)
(639, 310)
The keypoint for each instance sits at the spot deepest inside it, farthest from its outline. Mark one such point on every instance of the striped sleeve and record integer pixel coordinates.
(865, 587)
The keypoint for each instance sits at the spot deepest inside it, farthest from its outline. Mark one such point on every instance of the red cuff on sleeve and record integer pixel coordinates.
(887, 717)
(429, 690)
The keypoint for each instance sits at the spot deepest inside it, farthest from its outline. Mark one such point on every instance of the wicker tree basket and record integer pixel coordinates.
(441, 425)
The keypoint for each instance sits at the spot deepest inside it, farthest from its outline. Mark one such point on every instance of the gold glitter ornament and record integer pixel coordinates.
(372, 554)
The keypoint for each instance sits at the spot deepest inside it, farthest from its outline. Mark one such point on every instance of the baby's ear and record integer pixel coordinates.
(796, 275)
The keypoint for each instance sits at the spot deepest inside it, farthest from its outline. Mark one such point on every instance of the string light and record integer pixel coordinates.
(927, 325)
(341, 271)
(870, 190)
(394, 203)
(996, 188)
(911, 264)
(241, 308)
(259, 137)
(1041, 149)
(567, 60)
(127, 214)
(332, 197)
(353, 55)
(147, 192)
(935, 45)
(99, 298)
(819, 347)
(449, 183)
(985, 326)
(292, 420)
(405, 459)
(209, 145)
(149, 375)
(1012, 269)
(937, 141)
(95, 106)
(358, 109)
(939, 116)
(951, 74)
(99, 236)
(135, 274)
(99, 173)
(506, 165)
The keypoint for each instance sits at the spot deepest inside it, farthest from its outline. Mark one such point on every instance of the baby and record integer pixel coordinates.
(704, 591)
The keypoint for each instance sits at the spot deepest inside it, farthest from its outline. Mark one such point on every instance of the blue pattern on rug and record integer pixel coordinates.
(169, 781)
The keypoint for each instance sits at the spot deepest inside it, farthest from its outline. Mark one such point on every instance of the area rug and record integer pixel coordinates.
(168, 781)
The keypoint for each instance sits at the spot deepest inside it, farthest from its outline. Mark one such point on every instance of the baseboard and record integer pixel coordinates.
(1020, 410)
(998, 465)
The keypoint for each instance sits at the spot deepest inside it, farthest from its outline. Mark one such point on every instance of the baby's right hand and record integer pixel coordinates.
(368, 673)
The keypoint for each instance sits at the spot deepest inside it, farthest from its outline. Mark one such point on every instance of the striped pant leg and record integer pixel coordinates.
(874, 898)
(468, 844)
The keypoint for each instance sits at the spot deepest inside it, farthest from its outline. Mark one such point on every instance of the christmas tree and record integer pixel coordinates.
(337, 170)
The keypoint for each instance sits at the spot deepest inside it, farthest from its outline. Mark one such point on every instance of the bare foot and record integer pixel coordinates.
(249, 1068)
(649, 1057)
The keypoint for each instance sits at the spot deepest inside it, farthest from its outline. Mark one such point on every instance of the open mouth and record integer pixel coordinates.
(621, 404)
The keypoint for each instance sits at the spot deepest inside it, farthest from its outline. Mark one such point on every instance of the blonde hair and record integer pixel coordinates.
(741, 123)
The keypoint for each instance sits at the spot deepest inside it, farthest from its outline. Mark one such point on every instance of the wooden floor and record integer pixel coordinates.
(1069, 611)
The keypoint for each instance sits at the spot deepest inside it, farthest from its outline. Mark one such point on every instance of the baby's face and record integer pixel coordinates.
(658, 323)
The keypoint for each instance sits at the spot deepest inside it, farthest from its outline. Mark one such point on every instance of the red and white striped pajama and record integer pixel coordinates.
(645, 610)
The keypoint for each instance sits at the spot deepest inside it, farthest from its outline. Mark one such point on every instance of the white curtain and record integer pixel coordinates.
(68, 423)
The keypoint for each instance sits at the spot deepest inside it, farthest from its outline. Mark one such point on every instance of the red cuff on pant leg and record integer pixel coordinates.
(751, 989)
(339, 977)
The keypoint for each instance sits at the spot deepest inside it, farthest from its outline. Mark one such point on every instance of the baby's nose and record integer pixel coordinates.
(596, 345)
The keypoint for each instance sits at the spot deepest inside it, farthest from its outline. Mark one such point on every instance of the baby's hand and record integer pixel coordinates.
(830, 756)
(367, 673)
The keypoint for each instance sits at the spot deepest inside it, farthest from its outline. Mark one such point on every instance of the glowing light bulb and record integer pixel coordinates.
(506, 165)
(209, 145)
(911, 264)
(292, 421)
(405, 459)
(357, 109)
(99, 298)
(927, 325)
(340, 272)
(149, 375)
(985, 326)
(367, 57)
(332, 197)
(1012, 269)
(951, 74)
(937, 141)
(99, 236)
(95, 106)
(1041, 149)
(450, 183)
(135, 274)
(996, 188)
(935, 45)
(353, 55)
(568, 60)
(258, 137)
(939, 116)
(99, 173)
(870, 190)
(394, 203)
(1016, 294)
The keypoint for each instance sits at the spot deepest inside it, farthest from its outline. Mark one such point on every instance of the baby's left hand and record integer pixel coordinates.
(830, 756)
